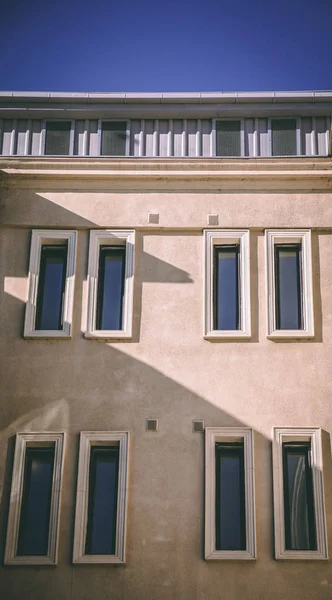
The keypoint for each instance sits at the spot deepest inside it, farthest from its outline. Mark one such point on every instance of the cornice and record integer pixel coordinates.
(87, 168)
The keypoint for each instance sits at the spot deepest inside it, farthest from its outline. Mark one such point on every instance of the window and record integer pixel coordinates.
(58, 138)
(114, 138)
(33, 522)
(49, 307)
(229, 494)
(227, 284)
(289, 280)
(229, 138)
(100, 524)
(110, 284)
(299, 510)
(284, 137)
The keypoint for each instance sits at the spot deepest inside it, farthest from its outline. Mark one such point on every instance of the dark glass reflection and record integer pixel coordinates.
(228, 138)
(103, 492)
(36, 502)
(110, 287)
(226, 287)
(52, 277)
(288, 286)
(57, 137)
(230, 498)
(300, 531)
(113, 138)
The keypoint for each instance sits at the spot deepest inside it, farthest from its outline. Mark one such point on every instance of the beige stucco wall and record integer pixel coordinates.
(167, 372)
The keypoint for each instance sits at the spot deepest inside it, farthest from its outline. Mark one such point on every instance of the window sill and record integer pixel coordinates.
(230, 555)
(96, 559)
(47, 334)
(228, 335)
(301, 555)
(290, 334)
(104, 336)
(30, 560)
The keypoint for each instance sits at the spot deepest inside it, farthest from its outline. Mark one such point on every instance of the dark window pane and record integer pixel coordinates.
(288, 287)
(283, 137)
(300, 531)
(36, 502)
(52, 278)
(57, 137)
(228, 138)
(226, 287)
(230, 498)
(113, 138)
(110, 287)
(103, 493)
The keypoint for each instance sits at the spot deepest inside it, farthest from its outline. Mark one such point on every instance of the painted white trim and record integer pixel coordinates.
(110, 236)
(42, 139)
(298, 434)
(13, 138)
(213, 435)
(38, 238)
(23, 440)
(107, 438)
(290, 236)
(214, 237)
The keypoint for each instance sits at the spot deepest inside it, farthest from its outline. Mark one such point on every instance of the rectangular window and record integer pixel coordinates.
(110, 287)
(228, 138)
(57, 138)
(229, 494)
(283, 133)
(226, 287)
(299, 510)
(33, 521)
(51, 287)
(289, 280)
(288, 286)
(49, 307)
(101, 503)
(298, 497)
(36, 502)
(114, 138)
(227, 284)
(110, 284)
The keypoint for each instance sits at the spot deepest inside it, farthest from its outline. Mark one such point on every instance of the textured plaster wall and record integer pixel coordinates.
(168, 372)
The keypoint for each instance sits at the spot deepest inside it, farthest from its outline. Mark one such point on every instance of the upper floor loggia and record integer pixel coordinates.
(206, 125)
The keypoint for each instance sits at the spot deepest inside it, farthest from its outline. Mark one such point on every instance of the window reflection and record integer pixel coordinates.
(36, 502)
(110, 287)
(298, 497)
(230, 497)
(103, 492)
(52, 278)
(226, 287)
(288, 286)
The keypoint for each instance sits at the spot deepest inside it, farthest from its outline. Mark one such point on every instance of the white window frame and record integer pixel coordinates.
(100, 128)
(214, 237)
(229, 434)
(52, 237)
(87, 440)
(71, 136)
(299, 434)
(297, 132)
(45, 439)
(290, 236)
(214, 138)
(111, 237)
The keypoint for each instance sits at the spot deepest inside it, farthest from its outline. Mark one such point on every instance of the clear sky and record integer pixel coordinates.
(173, 45)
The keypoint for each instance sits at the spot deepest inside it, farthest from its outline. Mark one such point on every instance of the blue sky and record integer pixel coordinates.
(174, 45)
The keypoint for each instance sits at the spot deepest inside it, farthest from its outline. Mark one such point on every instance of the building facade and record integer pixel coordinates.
(166, 343)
